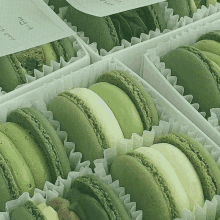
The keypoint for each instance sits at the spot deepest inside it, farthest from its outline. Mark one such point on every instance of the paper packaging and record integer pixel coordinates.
(103, 8)
(130, 53)
(168, 86)
(58, 31)
(170, 118)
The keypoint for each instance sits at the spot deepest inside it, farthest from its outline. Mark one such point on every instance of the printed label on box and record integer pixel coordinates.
(28, 23)
(101, 8)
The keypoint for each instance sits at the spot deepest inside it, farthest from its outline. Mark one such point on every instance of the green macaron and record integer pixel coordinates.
(122, 107)
(88, 120)
(31, 211)
(183, 7)
(162, 192)
(12, 73)
(46, 138)
(213, 35)
(58, 4)
(137, 94)
(197, 74)
(9, 189)
(30, 151)
(16, 175)
(205, 166)
(91, 198)
(28, 211)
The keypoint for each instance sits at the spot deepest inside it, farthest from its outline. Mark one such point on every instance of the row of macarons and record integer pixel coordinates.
(111, 30)
(95, 119)
(197, 68)
(16, 67)
(109, 33)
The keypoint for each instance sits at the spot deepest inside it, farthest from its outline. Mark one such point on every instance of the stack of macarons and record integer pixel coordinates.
(14, 67)
(98, 117)
(31, 153)
(197, 69)
(173, 174)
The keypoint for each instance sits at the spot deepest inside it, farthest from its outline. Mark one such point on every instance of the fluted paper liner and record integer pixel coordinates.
(187, 38)
(78, 51)
(173, 22)
(62, 187)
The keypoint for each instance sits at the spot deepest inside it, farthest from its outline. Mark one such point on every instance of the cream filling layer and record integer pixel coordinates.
(102, 113)
(185, 172)
(169, 175)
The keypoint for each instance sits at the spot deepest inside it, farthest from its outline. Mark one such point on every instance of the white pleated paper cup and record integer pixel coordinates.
(173, 22)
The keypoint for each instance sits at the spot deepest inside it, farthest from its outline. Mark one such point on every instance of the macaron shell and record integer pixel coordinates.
(185, 172)
(50, 54)
(63, 48)
(169, 175)
(76, 124)
(122, 107)
(46, 137)
(142, 187)
(17, 165)
(99, 30)
(187, 64)
(140, 97)
(30, 151)
(208, 46)
(102, 192)
(12, 74)
(205, 166)
(180, 8)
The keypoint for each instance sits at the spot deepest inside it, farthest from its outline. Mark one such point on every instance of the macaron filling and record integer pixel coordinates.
(92, 119)
(159, 180)
(206, 61)
(47, 140)
(197, 161)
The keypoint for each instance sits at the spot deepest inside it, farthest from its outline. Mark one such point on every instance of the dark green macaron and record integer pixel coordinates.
(12, 74)
(46, 137)
(197, 74)
(138, 95)
(213, 35)
(205, 166)
(91, 198)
